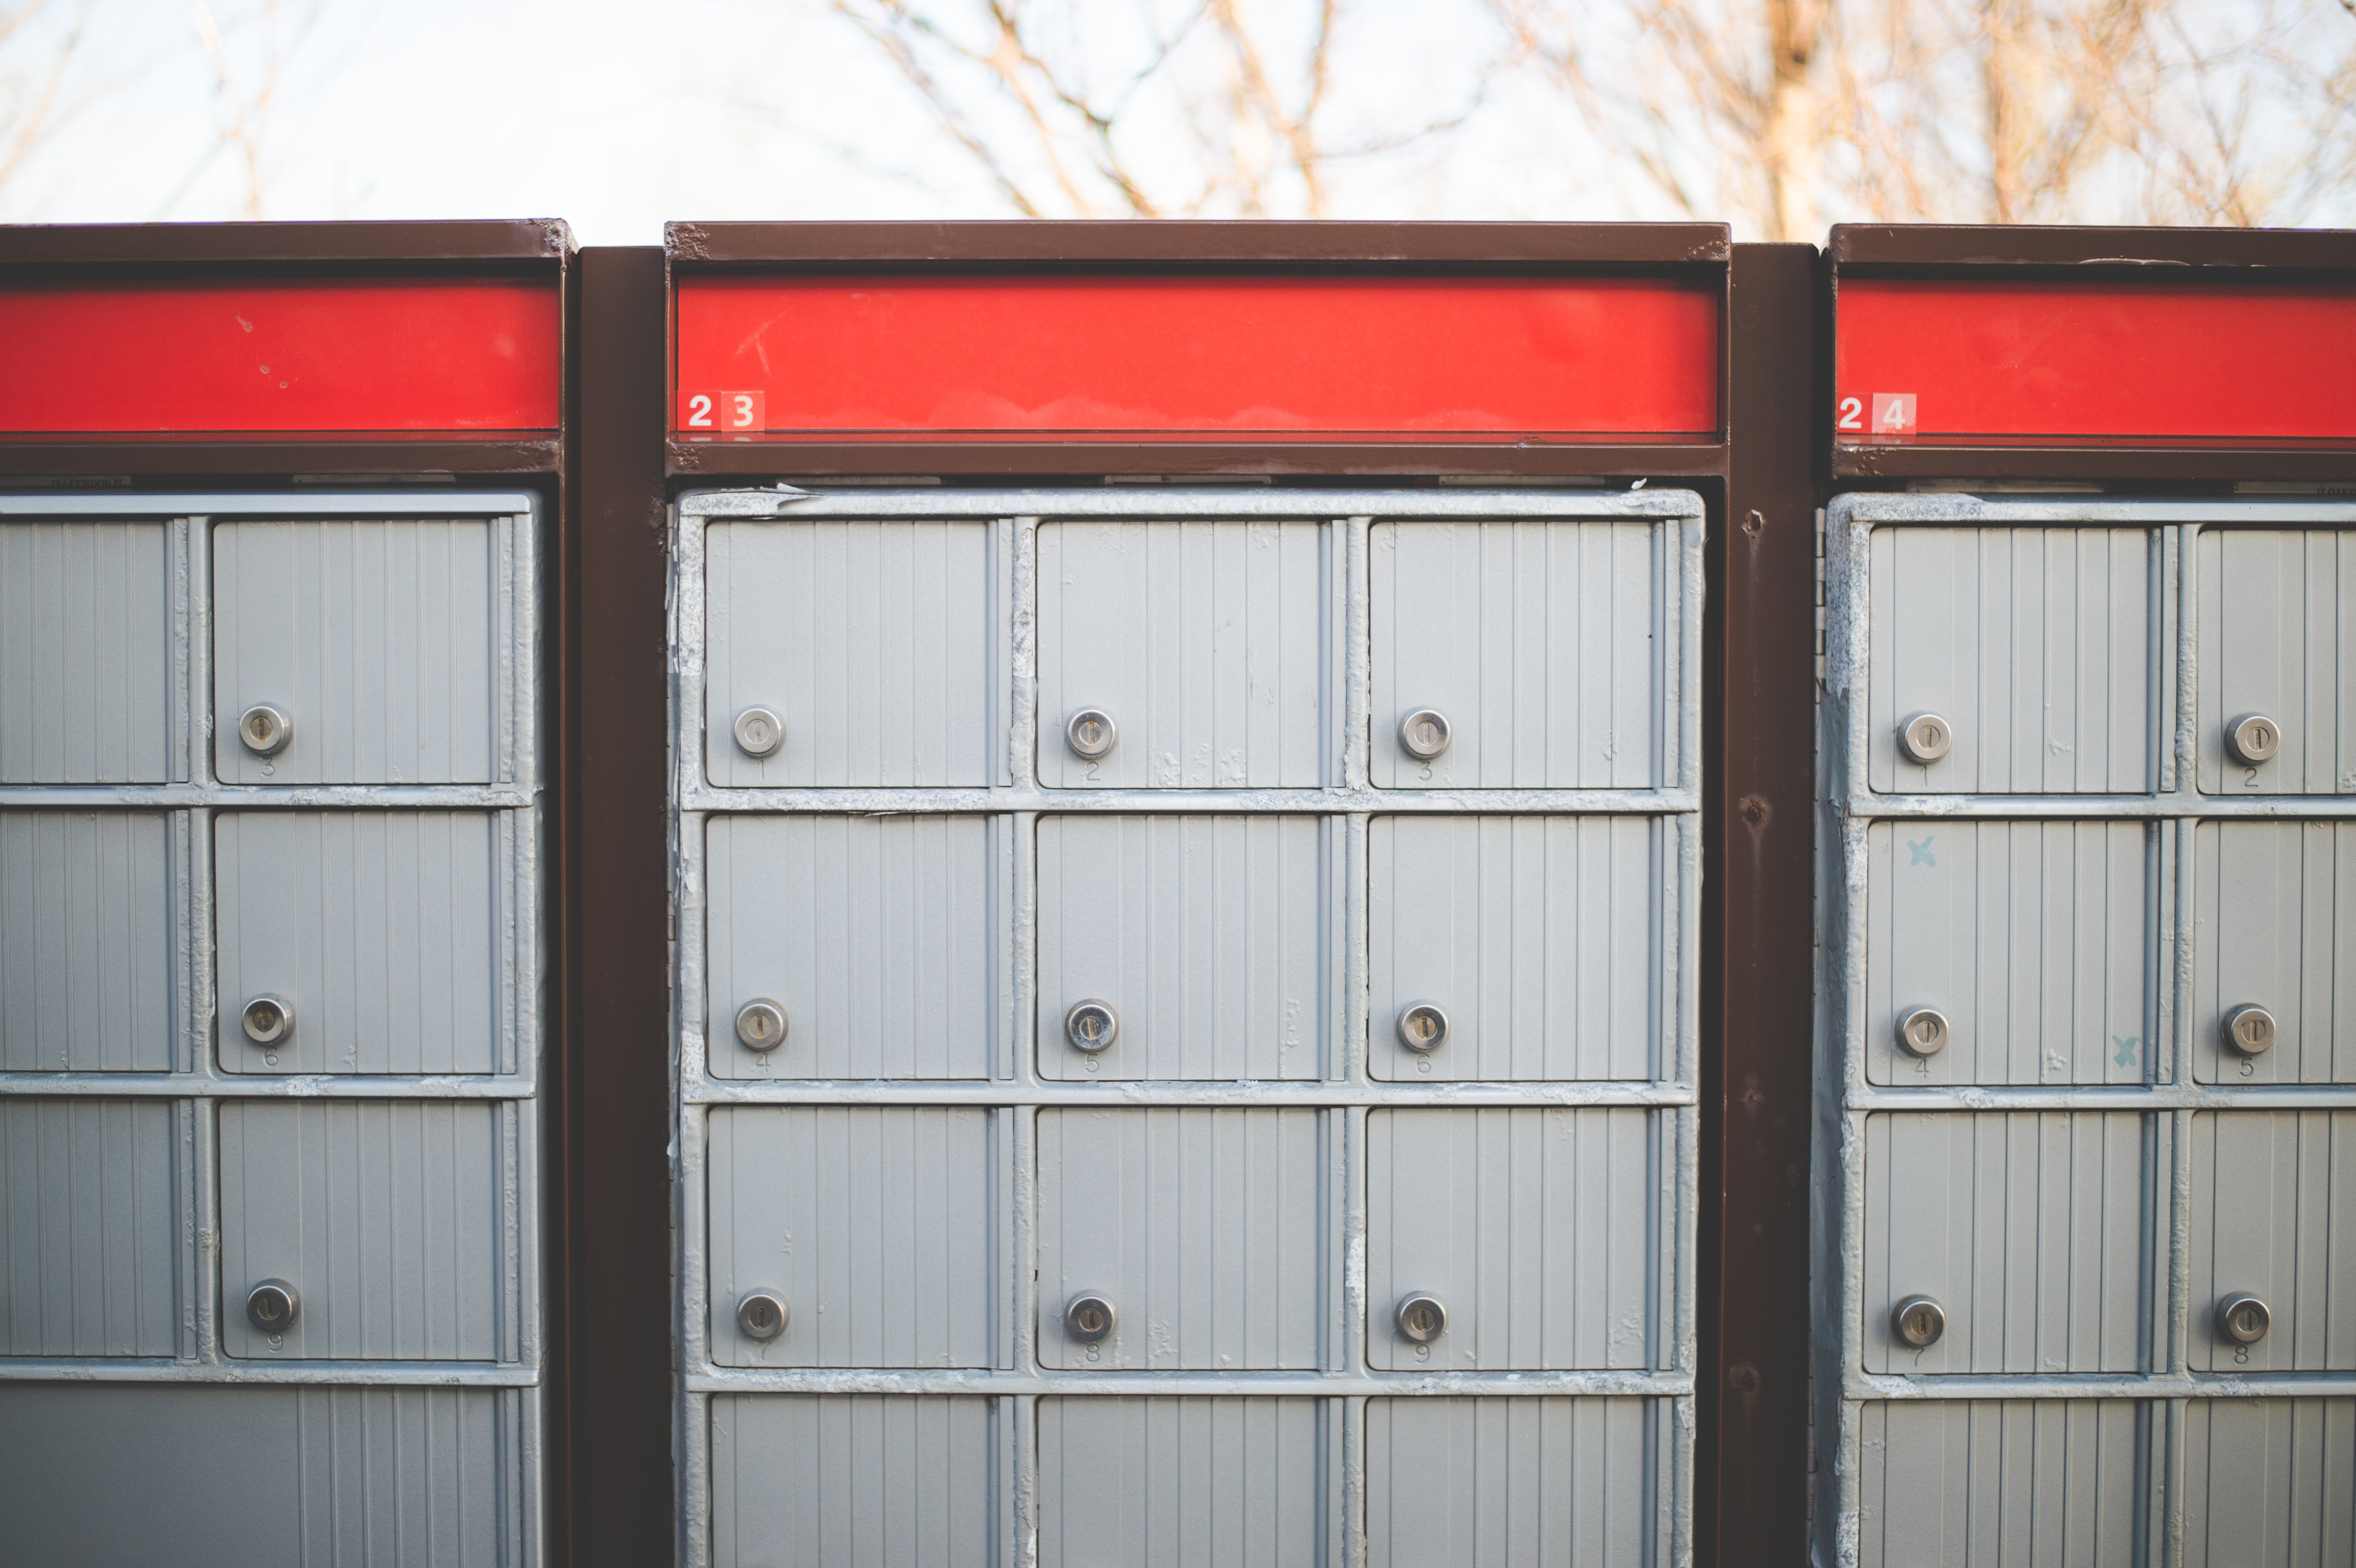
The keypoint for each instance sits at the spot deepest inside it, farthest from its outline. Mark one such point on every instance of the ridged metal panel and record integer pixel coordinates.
(2035, 940)
(1497, 1483)
(1206, 1228)
(2021, 1483)
(1183, 1482)
(1541, 937)
(1207, 934)
(1207, 642)
(2274, 926)
(260, 1477)
(2269, 1483)
(90, 1214)
(384, 1215)
(872, 641)
(879, 1481)
(382, 929)
(2032, 1229)
(873, 1224)
(1542, 1232)
(2274, 1211)
(87, 953)
(375, 638)
(1545, 644)
(86, 666)
(2277, 635)
(877, 935)
(2033, 642)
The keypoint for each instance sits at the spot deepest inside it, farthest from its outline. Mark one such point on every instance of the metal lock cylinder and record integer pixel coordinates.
(1925, 738)
(1421, 1318)
(1089, 1318)
(1090, 732)
(2254, 739)
(1922, 1032)
(265, 730)
(762, 1314)
(1424, 733)
(2249, 1031)
(1919, 1321)
(1091, 1026)
(761, 1025)
(2242, 1318)
(267, 1021)
(1422, 1026)
(271, 1305)
(759, 733)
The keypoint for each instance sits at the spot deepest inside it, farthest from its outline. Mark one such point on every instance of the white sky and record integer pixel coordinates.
(619, 115)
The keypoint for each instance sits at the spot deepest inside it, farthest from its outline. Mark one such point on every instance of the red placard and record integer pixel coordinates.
(999, 358)
(2131, 362)
(299, 357)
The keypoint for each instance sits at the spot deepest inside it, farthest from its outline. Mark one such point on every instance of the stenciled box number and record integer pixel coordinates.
(735, 411)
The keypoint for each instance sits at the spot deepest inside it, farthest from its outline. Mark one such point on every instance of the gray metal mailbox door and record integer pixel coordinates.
(1125, 1115)
(2086, 1138)
(272, 984)
(88, 618)
(362, 651)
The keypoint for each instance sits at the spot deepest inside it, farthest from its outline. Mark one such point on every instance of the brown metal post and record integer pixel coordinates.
(1758, 764)
(617, 1355)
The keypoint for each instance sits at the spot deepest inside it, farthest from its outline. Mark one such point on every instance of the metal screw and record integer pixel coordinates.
(1089, 1318)
(1919, 1320)
(1925, 738)
(2242, 1318)
(264, 729)
(2254, 739)
(1090, 734)
(267, 1021)
(1422, 1026)
(762, 1314)
(1091, 1026)
(1424, 733)
(1922, 1032)
(759, 733)
(271, 1305)
(2250, 1031)
(1421, 1318)
(761, 1025)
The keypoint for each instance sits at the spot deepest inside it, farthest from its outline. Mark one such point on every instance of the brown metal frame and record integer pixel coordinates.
(1758, 760)
(2222, 258)
(31, 253)
(263, 251)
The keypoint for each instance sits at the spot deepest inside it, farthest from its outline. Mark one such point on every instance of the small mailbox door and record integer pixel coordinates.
(89, 959)
(1545, 648)
(2273, 1219)
(1534, 1231)
(2273, 953)
(1201, 1230)
(384, 1222)
(1189, 1482)
(2030, 1230)
(1205, 939)
(92, 1207)
(351, 651)
(86, 622)
(867, 645)
(868, 1230)
(1203, 647)
(378, 936)
(2031, 648)
(2278, 698)
(2030, 944)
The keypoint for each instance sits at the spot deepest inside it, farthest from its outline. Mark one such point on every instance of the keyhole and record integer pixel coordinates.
(256, 728)
(1420, 1321)
(1427, 735)
(1091, 734)
(758, 1025)
(1091, 1320)
(1918, 1327)
(761, 1317)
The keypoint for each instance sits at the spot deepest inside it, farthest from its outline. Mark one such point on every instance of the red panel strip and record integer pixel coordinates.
(1405, 358)
(1972, 361)
(297, 358)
